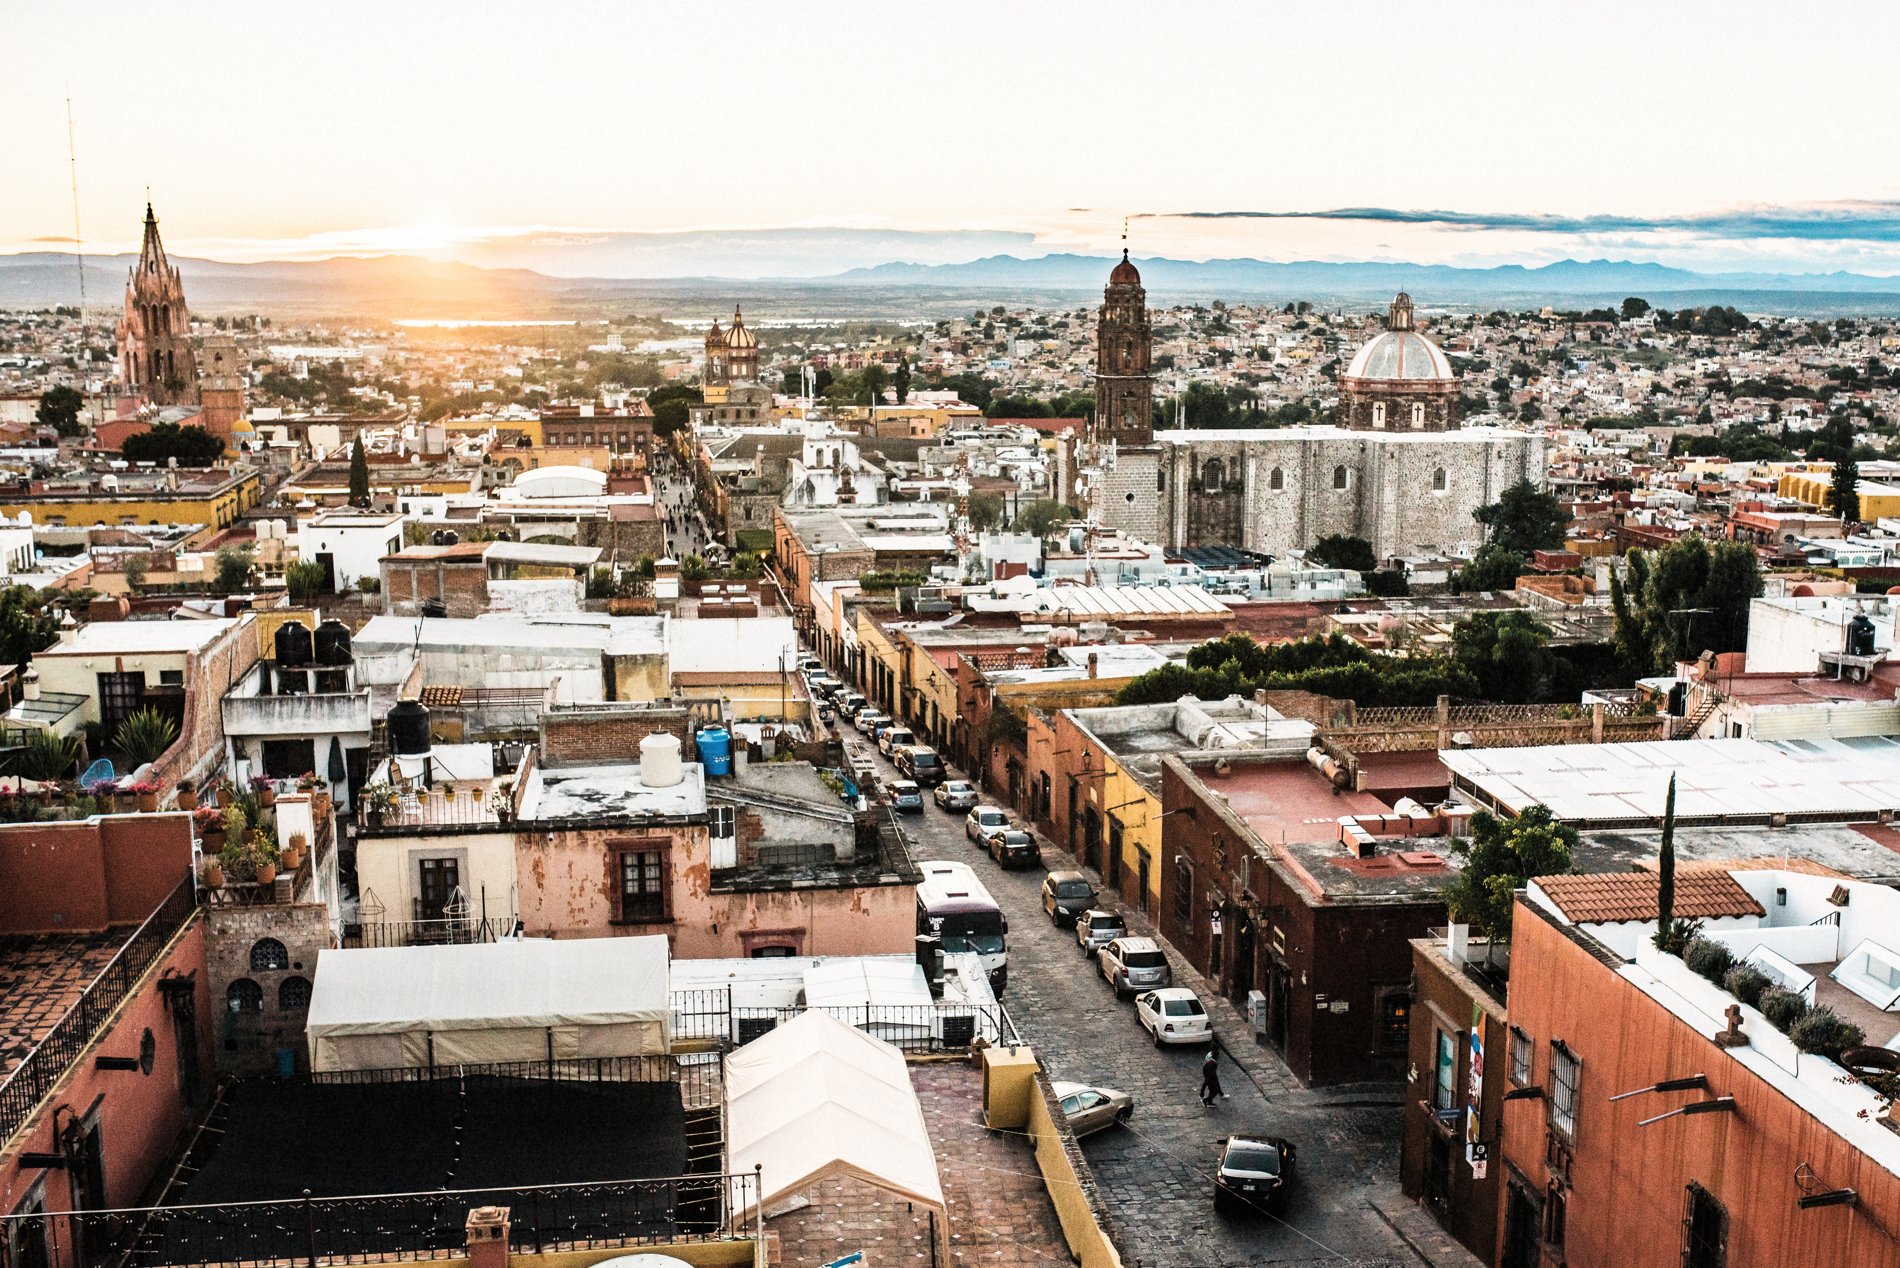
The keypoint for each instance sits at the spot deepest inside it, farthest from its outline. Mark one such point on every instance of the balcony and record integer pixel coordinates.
(250, 711)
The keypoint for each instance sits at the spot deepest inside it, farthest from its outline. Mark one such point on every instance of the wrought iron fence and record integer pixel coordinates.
(27, 1083)
(384, 1227)
(448, 931)
(698, 1079)
(711, 1016)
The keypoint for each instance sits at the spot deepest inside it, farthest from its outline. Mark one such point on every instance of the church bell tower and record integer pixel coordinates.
(1124, 354)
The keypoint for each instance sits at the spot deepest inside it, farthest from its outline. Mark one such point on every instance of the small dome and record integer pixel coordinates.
(739, 336)
(1400, 354)
(1125, 274)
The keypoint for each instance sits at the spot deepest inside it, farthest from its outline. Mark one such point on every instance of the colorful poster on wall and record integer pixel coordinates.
(1474, 1088)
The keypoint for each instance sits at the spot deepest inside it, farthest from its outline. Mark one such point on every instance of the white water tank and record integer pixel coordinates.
(659, 760)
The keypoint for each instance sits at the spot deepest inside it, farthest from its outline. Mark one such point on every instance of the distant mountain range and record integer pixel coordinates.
(392, 287)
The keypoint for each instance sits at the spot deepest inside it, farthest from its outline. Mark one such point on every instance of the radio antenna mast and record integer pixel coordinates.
(79, 248)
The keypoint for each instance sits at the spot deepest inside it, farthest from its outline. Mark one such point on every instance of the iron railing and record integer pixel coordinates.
(711, 1016)
(448, 931)
(696, 1075)
(384, 1227)
(27, 1084)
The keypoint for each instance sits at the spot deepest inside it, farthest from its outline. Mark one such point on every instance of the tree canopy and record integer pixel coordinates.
(359, 473)
(26, 625)
(1507, 652)
(1502, 857)
(1692, 598)
(1041, 516)
(193, 446)
(59, 409)
(669, 406)
(1495, 568)
(1335, 666)
(1524, 519)
(1341, 551)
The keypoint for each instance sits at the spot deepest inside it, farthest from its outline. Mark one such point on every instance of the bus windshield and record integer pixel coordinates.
(978, 931)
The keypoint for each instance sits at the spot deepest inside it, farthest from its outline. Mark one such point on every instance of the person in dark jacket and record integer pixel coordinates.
(1210, 1078)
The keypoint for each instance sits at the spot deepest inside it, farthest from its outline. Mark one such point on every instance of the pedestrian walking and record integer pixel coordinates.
(1210, 1078)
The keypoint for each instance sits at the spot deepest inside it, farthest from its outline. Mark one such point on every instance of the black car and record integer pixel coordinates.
(1066, 895)
(1253, 1173)
(1012, 848)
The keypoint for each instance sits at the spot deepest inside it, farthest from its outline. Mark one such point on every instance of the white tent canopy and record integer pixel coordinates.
(517, 1000)
(815, 1098)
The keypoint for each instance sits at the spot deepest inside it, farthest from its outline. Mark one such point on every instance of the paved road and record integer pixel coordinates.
(673, 493)
(1157, 1174)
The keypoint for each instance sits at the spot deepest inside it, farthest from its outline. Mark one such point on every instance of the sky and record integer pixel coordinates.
(632, 139)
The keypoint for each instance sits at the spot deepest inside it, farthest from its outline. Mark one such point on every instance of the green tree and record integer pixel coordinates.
(1634, 307)
(135, 566)
(1670, 935)
(1501, 858)
(1683, 600)
(901, 380)
(1524, 519)
(1845, 495)
(26, 626)
(234, 565)
(670, 406)
(359, 473)
(59, 409)
(303, 581)
(193, 446)
(986, 512)
(1340, 551)
(1495, 568)
(1507, 652)
(872, 380)
(1041, 516)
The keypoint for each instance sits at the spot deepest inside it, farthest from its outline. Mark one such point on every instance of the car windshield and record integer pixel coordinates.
(1073, 889)
(1185, 1008)
(923, 759)
(989, 818)
(978, 931)
(1264, 1158)
(956, 786)
(1144, 959)
(1105, 922)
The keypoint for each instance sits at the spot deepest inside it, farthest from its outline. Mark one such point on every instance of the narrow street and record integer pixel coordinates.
(1157, 1173)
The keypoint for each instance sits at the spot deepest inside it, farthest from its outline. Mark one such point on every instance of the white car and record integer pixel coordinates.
(983, 823)
(1093, 1109)
(1173, 1015)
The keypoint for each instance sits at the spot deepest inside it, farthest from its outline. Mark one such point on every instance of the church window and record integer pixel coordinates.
(1161, 481)
(1276, 480)
(1438, 480)
(1418, 414)
(1211, 476)
(1340, 479)
(1378, 413)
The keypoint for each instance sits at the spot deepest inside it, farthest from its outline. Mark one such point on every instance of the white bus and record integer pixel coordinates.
(953, 905)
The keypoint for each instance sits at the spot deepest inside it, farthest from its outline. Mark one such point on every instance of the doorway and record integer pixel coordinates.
(1241, 980)
(1279, 999)
(1438, 1174)
(437, 880)
(1523, 1216)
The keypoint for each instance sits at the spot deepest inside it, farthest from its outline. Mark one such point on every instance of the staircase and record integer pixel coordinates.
(1693, 723)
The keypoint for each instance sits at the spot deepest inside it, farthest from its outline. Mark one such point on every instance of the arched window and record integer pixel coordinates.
(1276, 480)
(1378, 413)
(1340, 478)
(1438, 480)
(244, 996)
(1418, 413)
(293, 994)
(267, 955)
(1211, 476)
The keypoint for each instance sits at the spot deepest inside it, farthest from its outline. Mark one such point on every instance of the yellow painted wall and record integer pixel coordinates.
(528, 426)
(1816, 488)
(383, 868)
(220, 511)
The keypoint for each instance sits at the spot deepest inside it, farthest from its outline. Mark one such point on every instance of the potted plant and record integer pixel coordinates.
(502, 802)
(373, 801)
(227, 794)
(236, 857)
(187, 798)
(293, 852)
(209, 822)
(146, 790)
(145, 736)
(237, 828)
(213, 873)
(265, 788)
(264, 860)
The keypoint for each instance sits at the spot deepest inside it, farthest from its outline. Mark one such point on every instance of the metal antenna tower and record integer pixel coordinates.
(79, 248)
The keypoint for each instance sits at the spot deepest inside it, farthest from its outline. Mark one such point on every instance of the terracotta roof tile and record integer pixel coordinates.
(1615, 897)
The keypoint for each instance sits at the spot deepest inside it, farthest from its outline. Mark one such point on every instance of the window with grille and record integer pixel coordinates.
(1555, 1199)
(1704, 1230)
(119, 696)
(1340, 477)
(1276, 479)
(1564, 1072)
(244, 996)
(268, 954)
(721, 821)
(1395, 1021)
(1445, 1073)
(642, 885)
(293, 994)
(1183, 895)
(1520, 1058)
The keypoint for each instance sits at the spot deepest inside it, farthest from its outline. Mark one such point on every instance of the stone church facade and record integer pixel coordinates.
(154, 335)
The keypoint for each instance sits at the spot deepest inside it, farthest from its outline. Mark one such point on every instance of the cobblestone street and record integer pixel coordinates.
(1157, 1173)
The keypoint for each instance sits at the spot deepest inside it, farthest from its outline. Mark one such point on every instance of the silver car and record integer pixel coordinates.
(1095, 929)
(983, 822)
(1093, 1109)
(1134, 964)
(956, 794)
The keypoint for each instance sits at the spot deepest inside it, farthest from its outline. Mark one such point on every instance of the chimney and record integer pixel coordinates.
(30, 683)
(68, 629)
(487, 1229)
(1091, 664)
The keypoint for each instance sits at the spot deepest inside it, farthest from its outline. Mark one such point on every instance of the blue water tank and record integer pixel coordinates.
(715, 750)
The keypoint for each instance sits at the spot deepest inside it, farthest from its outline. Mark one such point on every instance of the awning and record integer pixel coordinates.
(816, 1098)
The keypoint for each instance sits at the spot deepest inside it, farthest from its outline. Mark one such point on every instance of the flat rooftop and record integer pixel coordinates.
(42, 975)
(1717, 781)
(1865, 851)
(611, 792)
(617, 635)
(118, 638)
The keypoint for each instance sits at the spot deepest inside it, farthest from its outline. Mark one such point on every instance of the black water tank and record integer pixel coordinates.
(434, 607)
(1860, 636)
(408, 728)
(293, 644)
(444, 537)
(333, 643)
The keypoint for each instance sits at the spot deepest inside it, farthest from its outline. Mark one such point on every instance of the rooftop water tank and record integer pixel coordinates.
(715, 750)
(293, 644)
(408, 726)
(333, 643)
(659, 760)
(1860, 636)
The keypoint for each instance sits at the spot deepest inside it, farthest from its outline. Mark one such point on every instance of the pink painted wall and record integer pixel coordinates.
(87, 874)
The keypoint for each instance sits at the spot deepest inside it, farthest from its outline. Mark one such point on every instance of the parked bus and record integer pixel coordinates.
(953, 905)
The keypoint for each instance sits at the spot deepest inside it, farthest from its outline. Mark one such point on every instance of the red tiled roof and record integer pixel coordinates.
(1616, 897)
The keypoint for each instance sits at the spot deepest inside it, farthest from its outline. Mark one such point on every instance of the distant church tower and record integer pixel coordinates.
(742, 352)
(1124, 353)
(154, 335)
(715, 372)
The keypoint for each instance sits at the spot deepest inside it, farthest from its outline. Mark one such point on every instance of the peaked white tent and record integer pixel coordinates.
(815, 1098)
(518, 1000)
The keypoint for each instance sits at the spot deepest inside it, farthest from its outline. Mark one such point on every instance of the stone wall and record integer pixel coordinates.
(199, 749)
(606, 737)
(463, 586)
(238, 951)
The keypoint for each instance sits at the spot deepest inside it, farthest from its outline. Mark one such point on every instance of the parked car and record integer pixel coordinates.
(956, 794)
(982, 821)
(866, 720)
(1066, 895)
(1014, 848)
(905, 795)
(1093, 1109)
(849, 703)
(895, 738)
(1133, 964)
(879, 728)
(1254, 1172)
(1173, 1015)
(923, 765)
(1095, 929)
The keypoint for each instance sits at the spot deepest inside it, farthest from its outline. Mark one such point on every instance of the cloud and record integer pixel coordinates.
(1861, 220)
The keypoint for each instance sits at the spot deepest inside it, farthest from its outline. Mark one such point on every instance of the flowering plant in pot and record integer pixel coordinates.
(212, 874)
(265, 788)
(208, 822)
(227, 793)
(146, 790)
(501, 800)
(187, 798)
(264, 860)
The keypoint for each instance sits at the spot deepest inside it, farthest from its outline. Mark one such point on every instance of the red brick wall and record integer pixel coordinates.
(612, 737)
(199, 748)
(462, 585)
